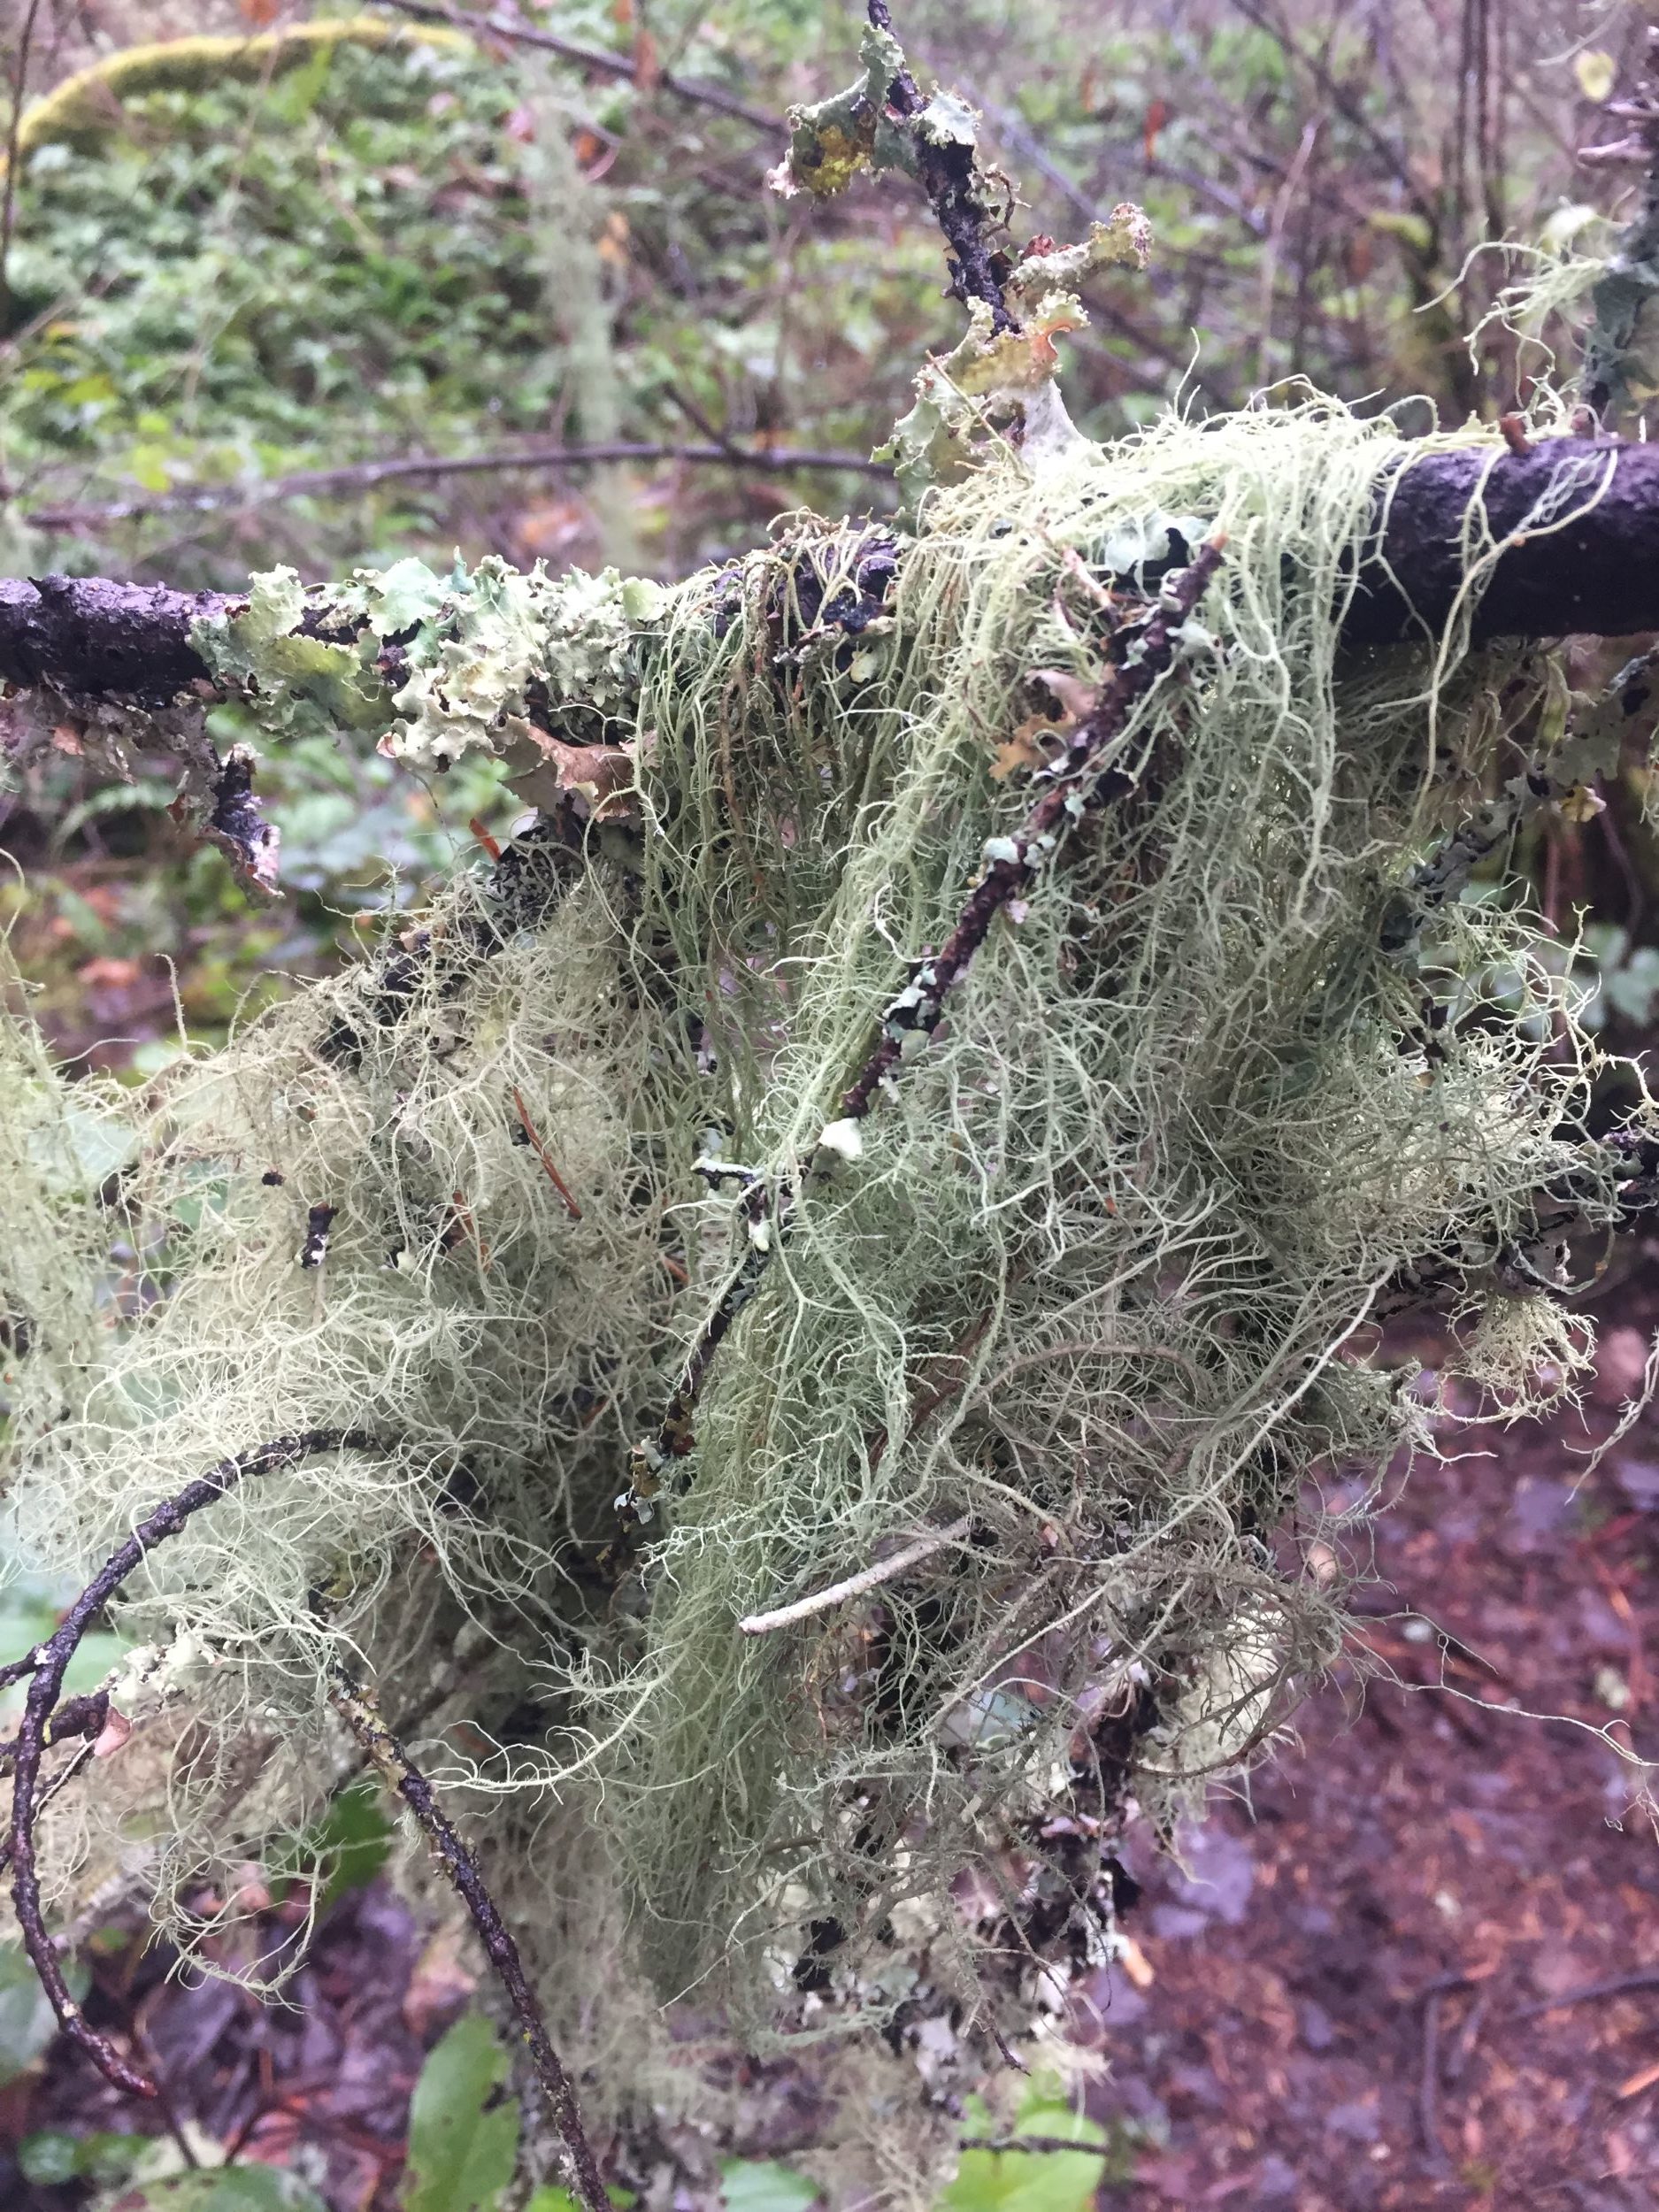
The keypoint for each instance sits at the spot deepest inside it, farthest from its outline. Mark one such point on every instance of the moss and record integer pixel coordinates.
(87, 106)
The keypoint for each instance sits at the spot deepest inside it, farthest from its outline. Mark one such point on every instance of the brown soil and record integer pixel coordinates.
(1383, 1980)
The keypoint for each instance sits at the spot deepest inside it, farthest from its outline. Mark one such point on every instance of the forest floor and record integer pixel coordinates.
(1415, 1965)
(1418, 1965)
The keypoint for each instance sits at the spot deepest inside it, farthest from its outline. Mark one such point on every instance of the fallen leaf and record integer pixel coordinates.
(114, 1736)
(601, 776)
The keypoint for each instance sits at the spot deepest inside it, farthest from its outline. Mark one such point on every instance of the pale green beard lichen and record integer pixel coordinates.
(1099, 1273)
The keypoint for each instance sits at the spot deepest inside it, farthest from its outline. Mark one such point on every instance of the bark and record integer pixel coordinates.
(90, 636)
(1599, 574)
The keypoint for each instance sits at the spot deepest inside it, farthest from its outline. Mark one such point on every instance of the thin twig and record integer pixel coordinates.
(855, 1586)
(8, 209)
(1616, 1987)
(506, 23)
(1073, 783)
(1045, 2143)
(365, 475)
(47, 1664)
(1429, 2081)
(545, 1156)
(61, 1780)
(75, 1716)
(358, 1709)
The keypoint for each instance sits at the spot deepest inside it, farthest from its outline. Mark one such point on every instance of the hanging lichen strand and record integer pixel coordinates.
(1034, 1353)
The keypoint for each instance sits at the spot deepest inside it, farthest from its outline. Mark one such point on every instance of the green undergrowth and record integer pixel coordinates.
(1100, 1273)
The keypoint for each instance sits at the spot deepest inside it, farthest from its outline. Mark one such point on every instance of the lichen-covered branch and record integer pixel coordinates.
(1144, 651)
(88, 637)
(46, 1665)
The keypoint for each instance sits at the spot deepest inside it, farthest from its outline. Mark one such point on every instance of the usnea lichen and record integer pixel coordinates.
(1098, 1275)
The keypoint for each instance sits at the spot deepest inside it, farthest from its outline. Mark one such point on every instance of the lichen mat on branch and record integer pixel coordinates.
(1095, 1277)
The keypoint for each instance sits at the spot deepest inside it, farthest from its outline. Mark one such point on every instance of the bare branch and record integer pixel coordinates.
(367, 475)
(357, 1707)
(507, 23)
(855, 1586)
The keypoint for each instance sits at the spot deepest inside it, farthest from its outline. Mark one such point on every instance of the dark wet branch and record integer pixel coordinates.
(75, 1716)
(357, 1707)
(90, 636)
(1598, 574)
(46, 1666)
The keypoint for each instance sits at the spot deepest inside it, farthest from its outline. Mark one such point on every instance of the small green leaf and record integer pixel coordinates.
(28, 2024)
(343, 1851)
(50, 2158)
(1033, 2181)
(761, 2185)
(463, 2126)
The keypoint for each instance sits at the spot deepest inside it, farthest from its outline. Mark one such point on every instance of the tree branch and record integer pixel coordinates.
(45, 1722)
(1597, 574)
(366, 475)
(357, 1707)
(506, 23)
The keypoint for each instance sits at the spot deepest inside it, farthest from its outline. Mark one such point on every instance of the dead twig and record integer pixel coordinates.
(1617, 1985)
(47, 1663)
(366, 475)
(855, 1586)
(357, 1706)
(507, 23)
(545, 1156)
(1429, 2083)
